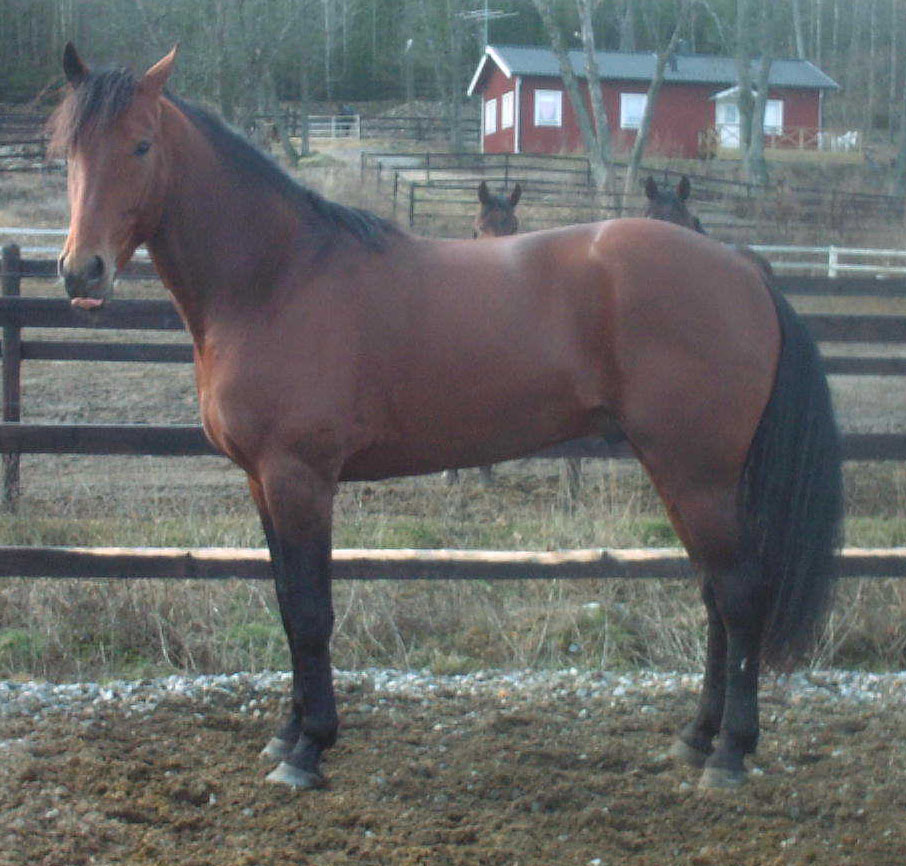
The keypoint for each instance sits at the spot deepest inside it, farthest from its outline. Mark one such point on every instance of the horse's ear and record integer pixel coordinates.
(683, 188)
(155, 79)
(515, 195)
(483, 195)
(76, 71)
(651, 188)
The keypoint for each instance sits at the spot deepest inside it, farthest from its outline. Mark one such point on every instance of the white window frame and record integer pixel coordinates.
(553, 99)
(773, 125)
(632, 107)
(490, 116)
(508, 110)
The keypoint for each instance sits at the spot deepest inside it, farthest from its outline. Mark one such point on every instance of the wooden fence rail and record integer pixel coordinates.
(18, 313)
(388, 564)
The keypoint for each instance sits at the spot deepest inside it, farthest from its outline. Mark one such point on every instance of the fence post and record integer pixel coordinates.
(412, 205)
(832, 253)
(396, 189)
(11, 277)
(428, 167)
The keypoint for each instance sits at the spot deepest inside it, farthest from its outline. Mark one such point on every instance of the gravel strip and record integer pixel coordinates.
(40, 699)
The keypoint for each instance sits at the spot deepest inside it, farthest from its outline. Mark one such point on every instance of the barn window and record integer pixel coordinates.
(548, 108)
(490, 116)
(507, 112)
(632, 107)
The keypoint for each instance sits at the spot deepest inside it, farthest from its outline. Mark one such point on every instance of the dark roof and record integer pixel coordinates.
(622, 66)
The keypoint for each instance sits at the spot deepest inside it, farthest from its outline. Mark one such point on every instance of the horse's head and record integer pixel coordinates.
(670, 206)
(497, 215)
(109, 129)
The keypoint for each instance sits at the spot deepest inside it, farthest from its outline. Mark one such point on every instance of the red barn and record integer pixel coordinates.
(525, 108)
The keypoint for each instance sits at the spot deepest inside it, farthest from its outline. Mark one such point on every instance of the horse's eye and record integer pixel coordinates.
(142, 148)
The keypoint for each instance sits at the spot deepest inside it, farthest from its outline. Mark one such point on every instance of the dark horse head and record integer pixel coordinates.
(497, 216)
(670, 206)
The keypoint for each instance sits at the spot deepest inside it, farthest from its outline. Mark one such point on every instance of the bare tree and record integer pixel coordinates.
(798, 30)
(627, 26)
(752, 91)
(595, 136)
(641, 138)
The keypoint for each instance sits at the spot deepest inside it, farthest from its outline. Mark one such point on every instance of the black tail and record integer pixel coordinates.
(792, 495)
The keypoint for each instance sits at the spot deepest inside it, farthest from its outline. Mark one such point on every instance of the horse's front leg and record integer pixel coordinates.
(295, 506)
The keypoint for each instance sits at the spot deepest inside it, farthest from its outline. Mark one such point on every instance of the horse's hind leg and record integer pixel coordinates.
(741, 607)
(706, 520)
(693, 744)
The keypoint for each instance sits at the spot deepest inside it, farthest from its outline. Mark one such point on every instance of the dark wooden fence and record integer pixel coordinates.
(435, 193)
(23, 141)
(21, 313)
(404, 128)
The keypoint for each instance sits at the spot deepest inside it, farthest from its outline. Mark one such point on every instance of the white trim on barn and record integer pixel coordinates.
(490, 53)
(517, 132)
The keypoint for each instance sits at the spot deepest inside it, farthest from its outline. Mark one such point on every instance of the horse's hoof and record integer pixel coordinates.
(682, 751)
(287, 774)
(277, 750)
(721, 778)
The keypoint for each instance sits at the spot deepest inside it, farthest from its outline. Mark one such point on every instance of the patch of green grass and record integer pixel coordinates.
(19, 649)
(876, 532)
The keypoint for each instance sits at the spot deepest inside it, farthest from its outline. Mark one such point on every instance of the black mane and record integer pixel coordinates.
(105, 93)
(366, 227)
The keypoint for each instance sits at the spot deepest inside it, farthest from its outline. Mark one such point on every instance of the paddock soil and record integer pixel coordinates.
(491, 779)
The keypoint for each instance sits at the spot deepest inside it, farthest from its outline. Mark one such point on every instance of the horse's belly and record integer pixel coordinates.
(431, 443)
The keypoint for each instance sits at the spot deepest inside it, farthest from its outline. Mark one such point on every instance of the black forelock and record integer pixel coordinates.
(96, 102)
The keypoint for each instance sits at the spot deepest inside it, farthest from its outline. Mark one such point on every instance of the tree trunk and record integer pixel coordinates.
(596, 141)
(751, 127)
(756, 167)
(892, 113)
(593, 79)
(641, 138)
(819, 31)
(627, 27)
(871, 103)
(796, 8)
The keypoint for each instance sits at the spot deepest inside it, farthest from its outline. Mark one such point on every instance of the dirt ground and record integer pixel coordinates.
(480, 781)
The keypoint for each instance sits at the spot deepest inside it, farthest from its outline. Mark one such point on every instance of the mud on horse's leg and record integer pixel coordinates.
(296, 518)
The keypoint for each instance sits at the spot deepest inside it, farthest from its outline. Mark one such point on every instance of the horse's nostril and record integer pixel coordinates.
(95, 269)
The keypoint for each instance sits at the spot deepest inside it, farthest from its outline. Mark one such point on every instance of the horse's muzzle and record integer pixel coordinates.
(89, 283)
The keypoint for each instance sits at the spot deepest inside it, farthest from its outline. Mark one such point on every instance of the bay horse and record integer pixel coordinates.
(330, 345)
(670, 205)
(496, 218)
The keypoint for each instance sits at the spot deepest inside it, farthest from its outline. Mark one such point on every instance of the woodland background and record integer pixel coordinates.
(245, 55)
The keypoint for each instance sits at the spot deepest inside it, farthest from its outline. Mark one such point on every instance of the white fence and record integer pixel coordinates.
(829, 261)
(334, 126)
(834, 261)
(15, 235)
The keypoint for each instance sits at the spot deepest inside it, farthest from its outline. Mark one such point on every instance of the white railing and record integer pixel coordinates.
(834, 261)
(9, 235)
(334, 126)
(831, 261)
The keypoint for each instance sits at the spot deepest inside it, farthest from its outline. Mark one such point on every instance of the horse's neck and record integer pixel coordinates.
(219, 236)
